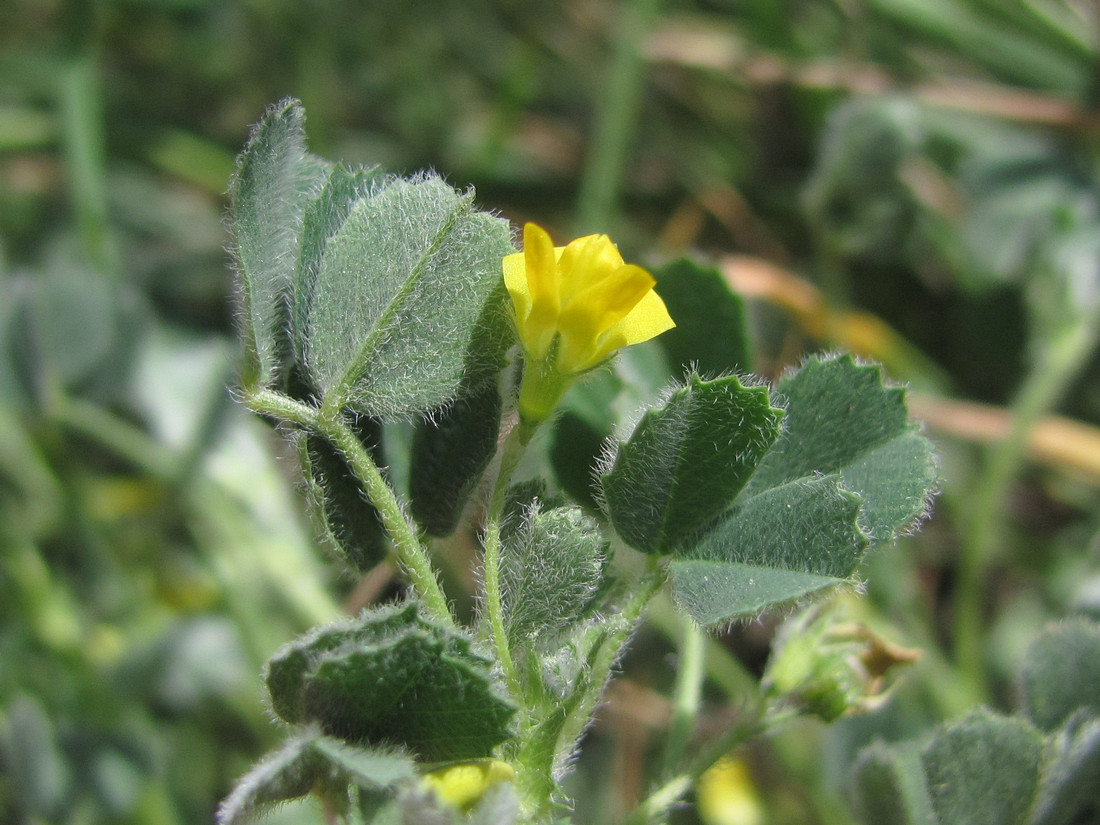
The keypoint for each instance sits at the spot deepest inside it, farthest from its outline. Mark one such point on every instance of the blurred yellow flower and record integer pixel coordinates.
(461, 786)
(726, 795)
(575, 306)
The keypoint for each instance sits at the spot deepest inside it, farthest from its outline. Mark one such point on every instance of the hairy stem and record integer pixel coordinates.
(512, 451)
(407, 546)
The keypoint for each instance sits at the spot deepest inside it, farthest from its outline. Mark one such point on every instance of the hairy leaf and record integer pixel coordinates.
(351, 522)
(276, 177)
(1061, 673)
(403, 293)
(847, 471)
(1070, 790)
(309, 761)
(983, 769)
(450, 451)
(780, 545)
(551, 567)
(687, 460)
(323, 218)
(889, 786)
(390, 676)
(841, 418)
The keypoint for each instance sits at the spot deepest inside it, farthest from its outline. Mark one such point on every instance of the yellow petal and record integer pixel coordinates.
(515, 279)
(648, 319)
(595, 310)
(463, 785)
(585, 261)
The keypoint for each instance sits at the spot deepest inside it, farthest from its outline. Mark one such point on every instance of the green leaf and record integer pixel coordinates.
(551, 567)
(711, 336)
(687, 460)
(450, 452)
(322, 220)
(407, 295)
(308, 761)
(983, 769)
(841, 418)
(888, 786)
(1070, 789)
(276, 177)
(847, 470)
(777, 546)
(351, 522)
(390, 676)
(1061, 674)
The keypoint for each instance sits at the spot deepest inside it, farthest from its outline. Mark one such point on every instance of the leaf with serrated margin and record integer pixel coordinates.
(841, 418)
(305, 762)
(287, 669)
(451, 450)
(1060, 674)
(778, 546)
(391, 676)
(408, 690)
(687, 460)
(551, 567)
(401, 295)
(276, 177)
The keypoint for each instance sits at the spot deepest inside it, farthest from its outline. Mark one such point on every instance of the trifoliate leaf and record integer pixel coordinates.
(687, 460)
(402, 297)
(841, 418)
(847, 470)
(450, 451)
(390, 676)
(551, 567)
(276, 177)
(711, 337)
(309, 761)
(778, 546)
(1061, 674)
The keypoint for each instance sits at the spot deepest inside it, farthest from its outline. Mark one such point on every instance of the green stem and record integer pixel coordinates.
(611, 648)
(511, 453)
(687, 693)
(543, 739)
(410, 552)
(616, 118)
(1057, 365)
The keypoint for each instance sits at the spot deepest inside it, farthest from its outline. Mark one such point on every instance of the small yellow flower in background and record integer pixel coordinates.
(575, 306)
(461, 786)
(726, 795)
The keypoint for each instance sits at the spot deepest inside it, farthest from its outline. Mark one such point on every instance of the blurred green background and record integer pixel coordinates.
(915, 180)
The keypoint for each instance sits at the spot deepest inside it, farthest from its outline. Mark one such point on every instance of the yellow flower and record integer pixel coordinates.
(726, 795)
(461, 786)
(575, 306)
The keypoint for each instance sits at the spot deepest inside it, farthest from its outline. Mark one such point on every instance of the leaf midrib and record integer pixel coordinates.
(339, 395)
